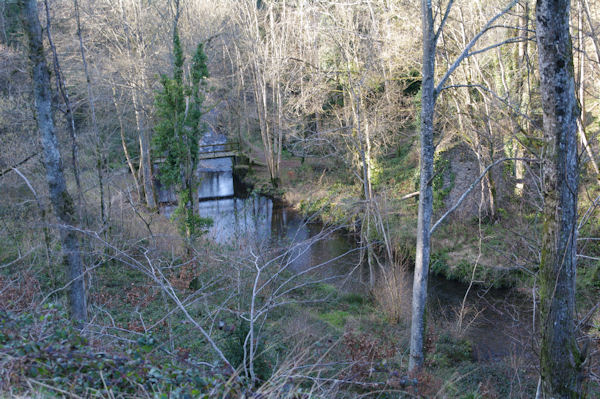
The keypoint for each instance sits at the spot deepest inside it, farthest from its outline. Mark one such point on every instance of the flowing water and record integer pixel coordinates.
(498, 322)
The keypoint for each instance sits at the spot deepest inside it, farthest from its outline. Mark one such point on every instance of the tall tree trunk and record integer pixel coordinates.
(428, 96)
(60, 86)
(429, 93)
(560, 359)
(144, 140)
(522, 94)
(582, 121)
(358, 109)
(100, 161)
(134, 174)
(135, 52)
(62, 202)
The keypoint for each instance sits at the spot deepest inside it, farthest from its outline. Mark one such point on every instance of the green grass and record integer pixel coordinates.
(335, 318)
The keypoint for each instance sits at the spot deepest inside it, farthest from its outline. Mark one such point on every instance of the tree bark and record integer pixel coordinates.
(560, 359)
(428, 96)
(144, 140)
(61, 88)
(62, 202)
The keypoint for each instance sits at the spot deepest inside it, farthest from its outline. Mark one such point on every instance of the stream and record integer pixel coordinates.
(499, 321)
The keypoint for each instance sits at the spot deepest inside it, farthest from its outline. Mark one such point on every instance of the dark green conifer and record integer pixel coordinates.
(177, 133)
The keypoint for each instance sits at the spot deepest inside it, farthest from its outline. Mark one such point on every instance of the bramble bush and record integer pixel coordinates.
(45, 347)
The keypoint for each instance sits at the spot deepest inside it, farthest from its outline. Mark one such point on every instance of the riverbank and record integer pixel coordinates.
(480, 253)
(489, 334)
(356, 342)
(315, 337)
(488, 253)
(322, 188)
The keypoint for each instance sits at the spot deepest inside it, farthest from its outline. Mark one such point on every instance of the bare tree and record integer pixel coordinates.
(59, 196)
(560, 358)
(429, 94)
(100, 159)
(265, 38)
(69, 114)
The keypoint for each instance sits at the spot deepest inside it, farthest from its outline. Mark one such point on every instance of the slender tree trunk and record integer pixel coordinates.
(364, 167)
(429, 93)
(260, 95)
(62, 202)
(489, 179)
(560, 359)
(582, 121)
(124, 144)
(60, 86)
(428, 97)
(144, 140)
(135, 49)
(100, 161)
(522, 94)
(279, 137)
(594, 35)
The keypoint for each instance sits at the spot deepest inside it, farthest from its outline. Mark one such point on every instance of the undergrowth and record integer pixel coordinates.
(45, 350)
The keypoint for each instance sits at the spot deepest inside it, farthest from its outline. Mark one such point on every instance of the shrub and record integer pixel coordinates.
(46, 348)
(450, 350)
(234, 352)
(392, 293)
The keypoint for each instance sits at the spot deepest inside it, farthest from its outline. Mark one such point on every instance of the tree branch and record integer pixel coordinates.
(502, 100)
(493, 46)
(11, 168)
(470, 45)
(443, 22)
(472, 186)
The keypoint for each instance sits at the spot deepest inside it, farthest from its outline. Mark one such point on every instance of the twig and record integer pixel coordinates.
(5, 171)
(70, 394)
(462, 197)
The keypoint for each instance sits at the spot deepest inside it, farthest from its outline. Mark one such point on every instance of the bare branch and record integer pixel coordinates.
(469, 46)
(444, 18)
(5, 171)
(472, 186)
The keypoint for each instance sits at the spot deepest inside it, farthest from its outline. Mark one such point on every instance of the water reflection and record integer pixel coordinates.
(216, 184)
(258, 221)
(237, 219)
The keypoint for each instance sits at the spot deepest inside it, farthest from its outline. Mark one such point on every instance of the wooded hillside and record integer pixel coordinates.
(299, 198)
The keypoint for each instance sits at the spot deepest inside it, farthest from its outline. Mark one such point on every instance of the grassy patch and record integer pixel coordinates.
(399, 171)
(335, 318)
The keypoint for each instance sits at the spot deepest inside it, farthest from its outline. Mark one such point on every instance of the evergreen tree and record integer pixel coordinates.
(177, 133)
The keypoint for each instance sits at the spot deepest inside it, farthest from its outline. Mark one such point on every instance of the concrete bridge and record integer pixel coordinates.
(213, 151)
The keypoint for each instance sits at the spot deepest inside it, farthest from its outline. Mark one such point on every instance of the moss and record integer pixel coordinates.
(354, 299)
(443, 181)
(450, 350)
(399, 170)
(463, 272)
(332, 206)
(336, 318)
(325, 289)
